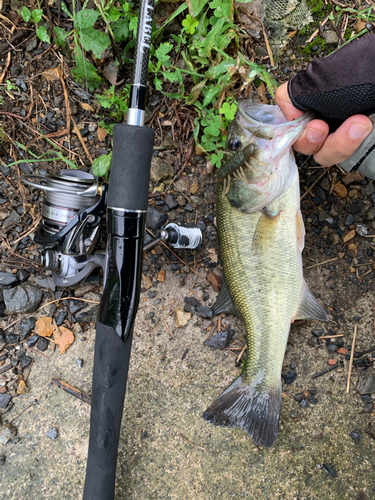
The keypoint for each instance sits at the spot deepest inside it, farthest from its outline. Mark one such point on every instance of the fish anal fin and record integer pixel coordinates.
(309, 307)
(265, 230)
(300, 230)
(224, 303)
(242, 406)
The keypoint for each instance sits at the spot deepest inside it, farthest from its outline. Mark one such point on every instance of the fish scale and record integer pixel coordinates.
(261, 236)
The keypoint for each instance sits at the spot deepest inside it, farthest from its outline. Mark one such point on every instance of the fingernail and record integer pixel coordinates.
(314, 135)
(357, 131)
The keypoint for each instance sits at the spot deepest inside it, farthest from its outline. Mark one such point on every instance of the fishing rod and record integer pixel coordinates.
(127, 203)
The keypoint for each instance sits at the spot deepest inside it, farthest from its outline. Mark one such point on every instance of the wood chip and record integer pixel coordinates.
(348, 236)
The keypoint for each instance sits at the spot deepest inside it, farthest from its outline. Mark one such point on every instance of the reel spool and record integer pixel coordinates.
(66, 194)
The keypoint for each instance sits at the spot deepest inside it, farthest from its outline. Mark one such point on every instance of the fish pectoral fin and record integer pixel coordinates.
(265, 230)
(224, 303)
(243, 406)
(309, 307)
(300, 230)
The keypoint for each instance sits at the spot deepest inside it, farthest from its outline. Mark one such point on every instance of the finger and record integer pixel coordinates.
(285, 104)
(312, 138)
(341, 144)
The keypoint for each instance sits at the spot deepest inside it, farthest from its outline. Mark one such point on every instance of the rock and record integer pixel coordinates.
(12, 338)
(61, 317)
(368, 407)
(22, 299)
(330, 470)
(79, 363)
(318, 332)
(26, 326)
(45, 282)
(366, 383)
(193, 301)
(340, 190)
(353, 176)
(181, 318)
(312, 400)
(31, 45)
(76, 305)
(42, 344)
(8, 279)
(313, 341)
(368, 190)
(349, 220)
(194, 187)
(155, 219)
(24, 361)
(4, 400)
(361, 229)
(204, 312)
(188, 207)
(171, 202)
(366, 398)
(23, 275)
(160, 170)
(146, 282)
(32, 341)
(330, 37)
(2, 460)
(214, 280)
(290, 377)
(220, 339)
(332, 347)
(181, 185)
(52, 433)
(14, 218)
(7, 432)
(356, 435)
(22, 388)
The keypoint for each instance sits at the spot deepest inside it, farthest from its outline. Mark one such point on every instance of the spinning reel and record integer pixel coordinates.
(71, 226)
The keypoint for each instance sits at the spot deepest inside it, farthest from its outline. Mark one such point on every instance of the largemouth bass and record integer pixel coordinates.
(261, 236)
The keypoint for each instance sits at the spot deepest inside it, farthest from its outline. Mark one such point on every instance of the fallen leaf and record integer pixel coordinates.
(43, 326)
(63, 338)
(111, 72)
(102, 134)
(86, 106)
(146, 282)
(161, 275)
(181, 318)
(52, 73)
(214, 280)
(213, 255)
(348, 236)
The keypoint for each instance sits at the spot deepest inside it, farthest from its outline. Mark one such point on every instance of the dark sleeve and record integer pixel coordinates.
(339, 85)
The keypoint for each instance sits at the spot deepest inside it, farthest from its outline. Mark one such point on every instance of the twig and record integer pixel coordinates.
(36, 352)
(317, 30)
(68, 298)
(313, 184)
(72, 390)
(351, 360)
(321, 263)
(6, 67)
(5, 368)
(26, 233)
(240, 355)
(23, 411)
(81, 140)
(319, 374)
(361, 353)
(192, 444)
(169, 330)
(330, 336)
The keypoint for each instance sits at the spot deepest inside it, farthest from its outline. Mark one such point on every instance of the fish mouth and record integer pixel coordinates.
(268, 116)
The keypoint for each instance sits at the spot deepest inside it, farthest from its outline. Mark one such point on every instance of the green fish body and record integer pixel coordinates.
(261, 235)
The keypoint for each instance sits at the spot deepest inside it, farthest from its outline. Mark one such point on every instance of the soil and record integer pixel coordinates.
(167, 451)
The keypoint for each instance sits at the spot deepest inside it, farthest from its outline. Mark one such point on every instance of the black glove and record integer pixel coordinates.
(338, 86)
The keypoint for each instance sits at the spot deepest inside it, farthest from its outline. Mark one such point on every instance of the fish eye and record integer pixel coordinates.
(234, 144)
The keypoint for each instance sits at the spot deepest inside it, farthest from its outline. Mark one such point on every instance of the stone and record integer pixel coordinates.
(23, 275)
(24, 361)
(356, 435)
(22, 299)
(330, 470)
(204, 312)
(2, 460)
(32, 341)
(220, 340)
(290, 377)
(12, 338)
(14, 218)
(76, 305)
(353, 176)
(171, 202)
(45, 282)
(42, 344)
(160, 170)
(27, 326)
(366, 383)
(52, 433)
(340, 190)
(7, 279)
(330, 37)
(181, 318)
(7, 432)
(4, 400)
(194, 187)
(349, 220)
(155, 219)
(60, 318)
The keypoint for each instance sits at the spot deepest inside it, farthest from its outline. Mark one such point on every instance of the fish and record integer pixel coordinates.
(261, 238)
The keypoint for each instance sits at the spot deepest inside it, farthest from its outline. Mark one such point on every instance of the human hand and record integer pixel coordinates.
(327, 149)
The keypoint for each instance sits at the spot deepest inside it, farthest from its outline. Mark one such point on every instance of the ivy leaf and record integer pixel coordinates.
(37, 15)
(85, 19)
(25, 13)
(42, 34)
(61, 36)
(102, 165)
(94, 40)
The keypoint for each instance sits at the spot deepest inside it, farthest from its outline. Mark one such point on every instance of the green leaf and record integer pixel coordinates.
(133, 25)
(229, 110)
(42, 34)
(210, 94)
(195, 92)
(61, 36)
(102, 165)
(85, 19)
(190, 24)
(197, 6)
(37, 15)
(85, 72)
(25, 13)
(65, 9)
(215, 71)
(113, 14)
(162, 52)
(120, 30)
(94, 40)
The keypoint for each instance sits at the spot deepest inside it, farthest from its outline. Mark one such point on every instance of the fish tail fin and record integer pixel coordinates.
(242, 406)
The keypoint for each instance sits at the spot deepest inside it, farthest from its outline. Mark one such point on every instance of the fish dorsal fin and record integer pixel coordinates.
(309, 307)
(300, 230)
(224, 303)
(265, 230)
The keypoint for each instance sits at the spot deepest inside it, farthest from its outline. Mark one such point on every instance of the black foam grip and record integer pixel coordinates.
(111, 363)
(130, 169)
